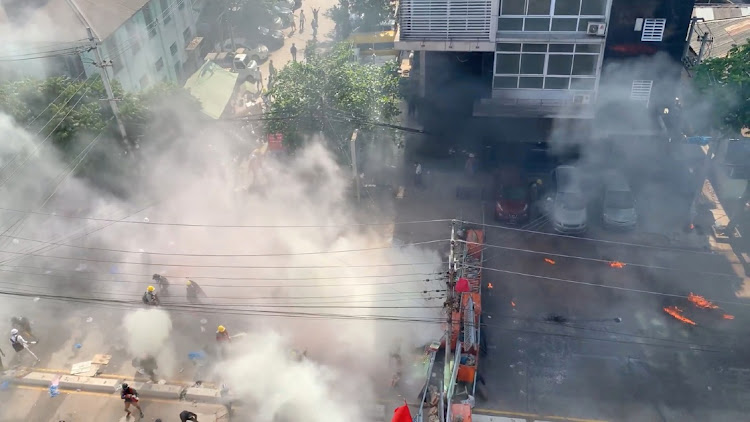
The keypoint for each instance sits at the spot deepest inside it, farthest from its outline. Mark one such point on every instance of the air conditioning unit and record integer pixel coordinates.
(582, 99)
(596, 28)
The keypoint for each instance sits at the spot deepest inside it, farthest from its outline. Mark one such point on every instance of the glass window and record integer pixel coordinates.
(567, 7)
(536, 24)
(149, 18)
(561, 48)
(535, 48)
(593, 7)
(531, 82)
(159, 64)
(584, 84)
(510, 24)
(513, 7)
(585, 65)
(173, 48)
(539, 7)
(166, 11)
(556, 83)
(558, 64)
(506, 82)
(588, 48)
(507, 63)
(508, 47)
(532, 64)
(187, 35)
(565, 24)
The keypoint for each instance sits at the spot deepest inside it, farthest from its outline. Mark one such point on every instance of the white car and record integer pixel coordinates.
(255, 51)
(567, 209)
(618, 209)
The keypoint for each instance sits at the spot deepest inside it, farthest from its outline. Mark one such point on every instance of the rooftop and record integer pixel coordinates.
(55, 21)
(727, 24)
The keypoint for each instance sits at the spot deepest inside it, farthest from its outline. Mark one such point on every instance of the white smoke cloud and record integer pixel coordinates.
(148, 334)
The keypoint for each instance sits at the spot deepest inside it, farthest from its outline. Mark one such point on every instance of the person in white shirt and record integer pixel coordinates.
(18, 342)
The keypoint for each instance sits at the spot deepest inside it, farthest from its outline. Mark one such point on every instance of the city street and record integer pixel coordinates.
(568, 334)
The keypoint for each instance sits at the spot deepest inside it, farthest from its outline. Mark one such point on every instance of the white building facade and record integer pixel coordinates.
(149, 47)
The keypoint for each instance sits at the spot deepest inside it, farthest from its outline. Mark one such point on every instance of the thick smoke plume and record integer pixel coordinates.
(148, 334)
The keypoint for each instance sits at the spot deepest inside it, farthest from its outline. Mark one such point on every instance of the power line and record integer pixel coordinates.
(590, 239)
(607, 261)
(585, 283)
(222, 255)
(228, 226)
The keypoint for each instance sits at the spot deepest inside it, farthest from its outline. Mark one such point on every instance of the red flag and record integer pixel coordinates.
(462, 285)
(402, 414)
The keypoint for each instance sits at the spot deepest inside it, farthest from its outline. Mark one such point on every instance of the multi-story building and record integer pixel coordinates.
(143, 41)
(539, 58)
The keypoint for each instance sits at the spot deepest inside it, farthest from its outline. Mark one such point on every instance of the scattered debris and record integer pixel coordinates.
(617, 264)
(146, 220)
(701, 302)
(89, 319)
(727, 316)
(549, 261)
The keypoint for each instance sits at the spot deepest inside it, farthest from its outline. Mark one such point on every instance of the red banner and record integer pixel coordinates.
(275, 141)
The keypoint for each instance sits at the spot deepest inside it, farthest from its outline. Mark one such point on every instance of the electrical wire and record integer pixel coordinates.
(140, 252)
(605, 286)
(589, 239)
(606, 261)
(228, 226)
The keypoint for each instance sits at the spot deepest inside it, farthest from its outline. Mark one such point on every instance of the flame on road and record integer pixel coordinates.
(513, 304)
(549, 261)
(677, 314)
(489, 285)
(617, 264)
(701, 302)
(727, 316)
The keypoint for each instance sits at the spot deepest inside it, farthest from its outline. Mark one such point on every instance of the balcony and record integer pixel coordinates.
(549, 108)
(442, 25)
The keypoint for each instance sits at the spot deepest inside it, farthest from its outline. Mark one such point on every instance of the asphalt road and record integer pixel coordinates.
(559, 353)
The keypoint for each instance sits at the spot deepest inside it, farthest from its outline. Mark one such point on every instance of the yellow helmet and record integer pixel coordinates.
(189, 282)
(151, 288)
(222, 329)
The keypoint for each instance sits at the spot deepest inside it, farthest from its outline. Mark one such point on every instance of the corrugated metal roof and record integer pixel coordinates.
(213, 87)
(726, 33)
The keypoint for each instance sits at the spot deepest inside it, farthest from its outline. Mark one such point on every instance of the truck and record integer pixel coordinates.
(237, 62)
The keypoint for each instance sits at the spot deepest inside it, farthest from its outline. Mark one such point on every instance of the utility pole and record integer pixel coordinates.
(107, 87)
(693, 21)
(449, 300)
(96, 42)
(705, 40)
(353, 146)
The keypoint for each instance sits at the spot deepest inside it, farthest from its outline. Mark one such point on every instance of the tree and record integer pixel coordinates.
(365, 14)
(727, 81)
(332, 93)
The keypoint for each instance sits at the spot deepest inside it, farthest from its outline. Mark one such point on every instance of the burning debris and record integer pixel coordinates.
(677, 314)
(617, 264)
(727, 316)
(513, 304)
(549, 261)
(701, 302)
(489, 285)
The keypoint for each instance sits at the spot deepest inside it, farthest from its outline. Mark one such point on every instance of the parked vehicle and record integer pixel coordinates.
(273, 38)
(237, 62)
(618, 208)
(567, 207)
(257, 52)
(512, 196)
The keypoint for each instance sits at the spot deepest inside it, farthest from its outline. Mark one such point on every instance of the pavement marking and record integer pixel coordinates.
(532, 415)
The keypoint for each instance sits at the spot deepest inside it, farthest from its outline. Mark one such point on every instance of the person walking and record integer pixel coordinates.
(315, 13)
(193, 292)
(271, 70)
(314, 25)
(301, 21)
(187, 415)
(130, 396)
(19, 343)
(162, 282)
(294, 25)
(417, 175)
(293, 50)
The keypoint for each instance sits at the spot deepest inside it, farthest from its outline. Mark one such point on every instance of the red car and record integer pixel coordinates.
(512, 196)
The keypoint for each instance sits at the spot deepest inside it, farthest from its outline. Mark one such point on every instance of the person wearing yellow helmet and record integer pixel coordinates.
(150, 298)
(222, 335)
